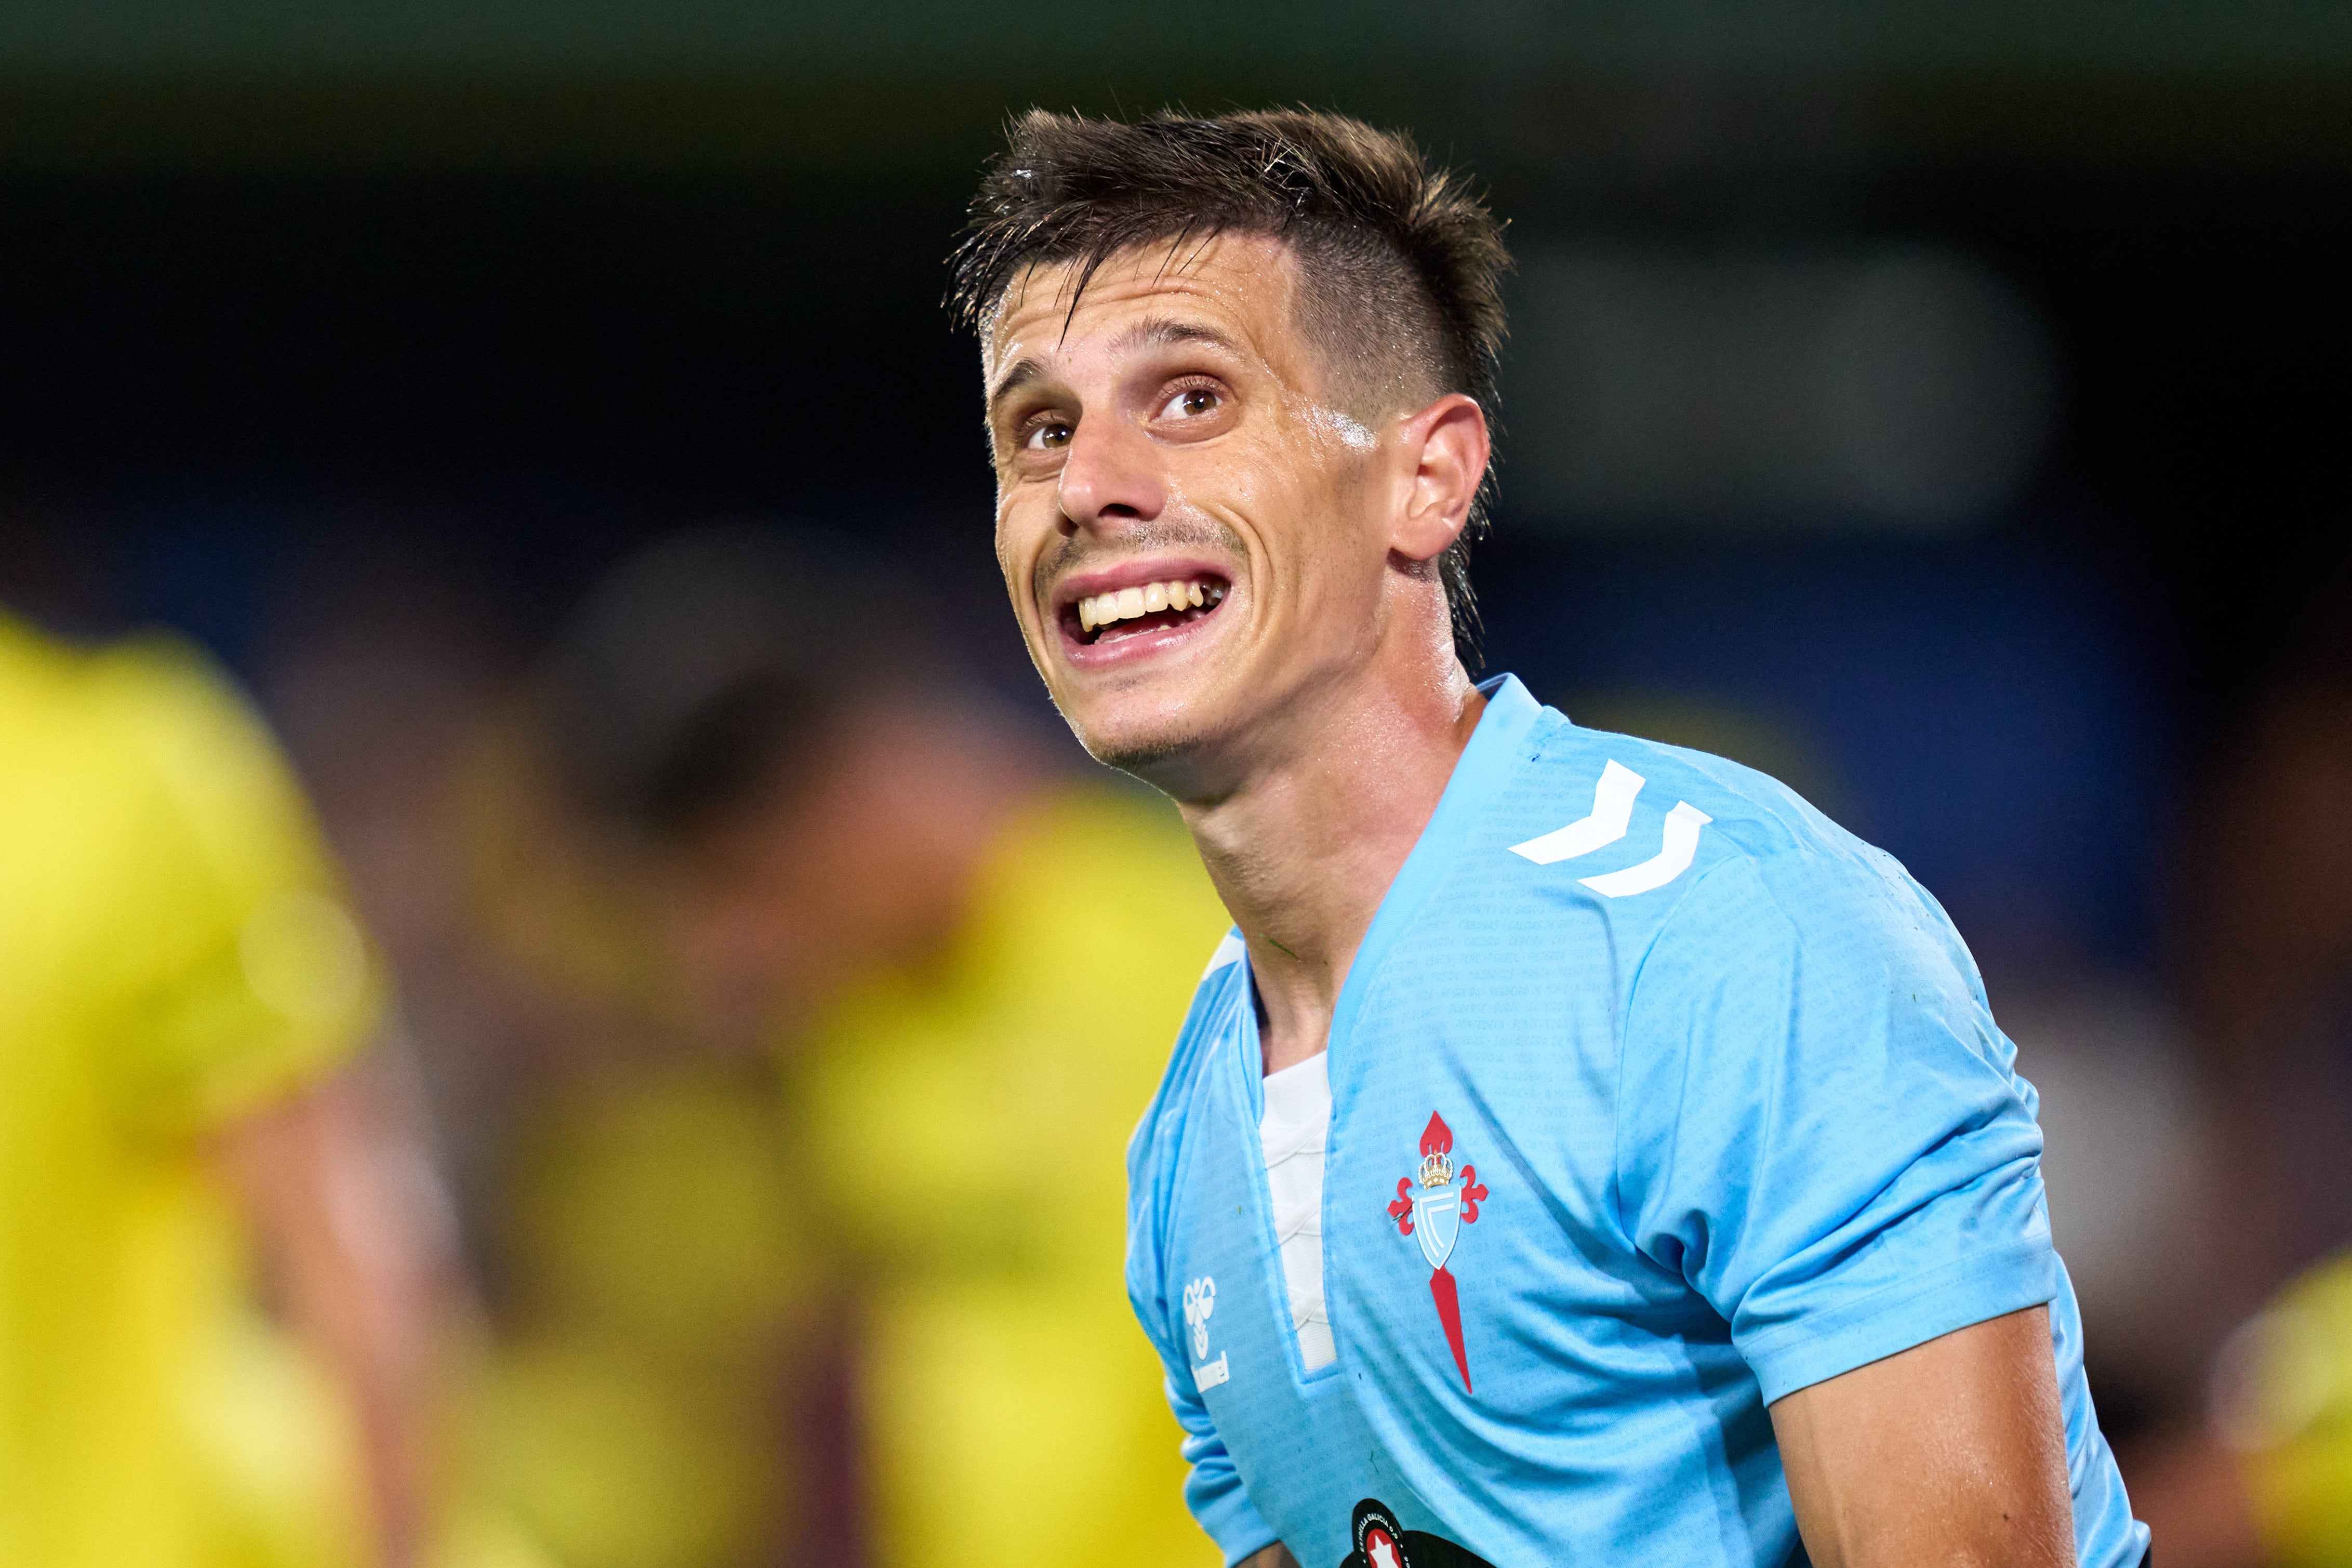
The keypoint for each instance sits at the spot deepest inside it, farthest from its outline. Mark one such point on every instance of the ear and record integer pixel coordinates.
(1448, 445)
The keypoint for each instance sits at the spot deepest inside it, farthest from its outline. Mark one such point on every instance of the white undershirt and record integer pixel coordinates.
(1292, 1133)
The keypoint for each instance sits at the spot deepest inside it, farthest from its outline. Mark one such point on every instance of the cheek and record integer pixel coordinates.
(1003, 547)
(1013, 547)
(1254, 488)
(1309, 512)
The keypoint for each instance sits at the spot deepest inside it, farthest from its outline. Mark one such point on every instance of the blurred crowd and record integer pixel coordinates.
(680, 1125)
(656, 1097)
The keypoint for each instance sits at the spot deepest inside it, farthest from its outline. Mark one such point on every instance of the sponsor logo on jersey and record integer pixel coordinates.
(1433, 1205)
(1382, 1543)
(1200, 1300)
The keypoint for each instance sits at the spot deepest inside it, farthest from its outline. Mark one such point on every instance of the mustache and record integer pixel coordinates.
(1082, 549)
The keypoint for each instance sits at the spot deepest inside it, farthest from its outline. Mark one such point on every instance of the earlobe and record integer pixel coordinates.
(1448, 445)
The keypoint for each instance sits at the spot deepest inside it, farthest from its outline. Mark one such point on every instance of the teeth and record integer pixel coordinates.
(1126, 603)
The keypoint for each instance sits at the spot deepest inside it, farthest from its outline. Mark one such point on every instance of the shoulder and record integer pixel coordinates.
(191, 726)
(1155, 1153)
(1221, 989)
(1611, 777)
(155, 745)
(1678, 846)
(136, 702)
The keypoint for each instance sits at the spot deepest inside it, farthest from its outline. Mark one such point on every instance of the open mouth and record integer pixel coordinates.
(1120, 614)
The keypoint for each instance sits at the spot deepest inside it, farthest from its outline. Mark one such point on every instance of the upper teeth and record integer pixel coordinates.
(1126, 603)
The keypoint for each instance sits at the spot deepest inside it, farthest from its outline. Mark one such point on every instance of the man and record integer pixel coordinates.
(180, 986)
(873, 1114)
(1582, 1151)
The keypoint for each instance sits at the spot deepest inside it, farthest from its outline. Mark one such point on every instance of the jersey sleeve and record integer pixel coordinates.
(1213, 1487)
(1819, 1128)
(1212, 1484)
(249, 971)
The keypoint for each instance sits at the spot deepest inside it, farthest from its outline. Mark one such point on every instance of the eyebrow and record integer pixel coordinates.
(1020, 375)
(1160, 332)
(1156, 331)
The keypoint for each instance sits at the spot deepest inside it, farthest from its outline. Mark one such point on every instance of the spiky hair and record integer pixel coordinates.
(1403, 264)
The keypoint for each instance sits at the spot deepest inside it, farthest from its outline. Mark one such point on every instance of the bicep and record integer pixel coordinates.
(1952, 1451)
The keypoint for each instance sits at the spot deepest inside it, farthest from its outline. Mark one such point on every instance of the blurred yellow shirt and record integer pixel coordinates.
(172, 953)
(2286, 1404)
(968, 1126)
(659, 1295)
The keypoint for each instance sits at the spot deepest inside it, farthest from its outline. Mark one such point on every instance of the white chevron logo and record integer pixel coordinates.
(1612, 809)
(1682, 824)
(1612, 812)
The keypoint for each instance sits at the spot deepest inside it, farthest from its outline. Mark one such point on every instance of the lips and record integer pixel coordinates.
(1107, 617)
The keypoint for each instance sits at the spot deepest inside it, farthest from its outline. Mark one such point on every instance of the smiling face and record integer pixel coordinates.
(1197, 540)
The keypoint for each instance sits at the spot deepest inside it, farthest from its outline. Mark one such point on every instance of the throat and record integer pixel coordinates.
(1294, 1026)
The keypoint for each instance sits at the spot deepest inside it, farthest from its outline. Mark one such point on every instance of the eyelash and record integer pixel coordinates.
(1035, 423)
(1029, 429)
(1179, 389)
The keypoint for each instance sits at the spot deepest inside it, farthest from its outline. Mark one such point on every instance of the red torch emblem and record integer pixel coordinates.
(1432, 1207)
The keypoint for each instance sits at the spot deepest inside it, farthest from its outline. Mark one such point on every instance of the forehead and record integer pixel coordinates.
(1241, 286)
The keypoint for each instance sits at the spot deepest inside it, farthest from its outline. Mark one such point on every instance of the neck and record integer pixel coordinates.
(1304, 848)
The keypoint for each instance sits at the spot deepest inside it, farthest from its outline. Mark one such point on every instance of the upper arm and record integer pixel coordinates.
(1953, 1451)
(256, 978)
(1212, 1484)
(1819, 1128)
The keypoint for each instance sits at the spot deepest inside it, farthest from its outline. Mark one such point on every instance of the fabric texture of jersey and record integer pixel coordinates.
(1655, 1097)
(173, 953)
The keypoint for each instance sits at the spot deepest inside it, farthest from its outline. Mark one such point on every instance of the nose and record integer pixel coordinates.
(1111, 474)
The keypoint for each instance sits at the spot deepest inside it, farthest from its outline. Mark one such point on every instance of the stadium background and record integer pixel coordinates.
(1939, 409)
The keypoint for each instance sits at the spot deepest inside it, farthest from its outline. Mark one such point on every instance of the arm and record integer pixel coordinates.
(1274, 1557)
(1951, 1452)
(1212, 1484)
(329, 1184)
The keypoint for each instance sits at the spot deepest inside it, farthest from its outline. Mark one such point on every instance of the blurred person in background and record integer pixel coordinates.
(2265, 1479)
(184, 1134)
(2263, 1473)
(821, 1265)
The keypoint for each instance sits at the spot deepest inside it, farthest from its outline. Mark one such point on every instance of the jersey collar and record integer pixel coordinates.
(1495, 752)
(1496, 749)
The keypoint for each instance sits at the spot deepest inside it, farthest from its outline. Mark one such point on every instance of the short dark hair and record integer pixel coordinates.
(1385, 239)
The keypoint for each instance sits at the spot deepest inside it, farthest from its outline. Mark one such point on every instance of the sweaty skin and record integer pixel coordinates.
(1177, 425)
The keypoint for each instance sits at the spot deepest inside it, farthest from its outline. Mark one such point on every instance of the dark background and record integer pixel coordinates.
(424, 317)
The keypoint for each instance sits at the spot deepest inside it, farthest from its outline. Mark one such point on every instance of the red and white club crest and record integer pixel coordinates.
(1432, 1205)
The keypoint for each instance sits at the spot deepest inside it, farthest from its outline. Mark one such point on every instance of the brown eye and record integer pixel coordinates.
(1051, 435)
(1190, 404)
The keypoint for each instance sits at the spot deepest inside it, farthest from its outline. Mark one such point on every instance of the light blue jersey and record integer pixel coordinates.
(1655, 1097)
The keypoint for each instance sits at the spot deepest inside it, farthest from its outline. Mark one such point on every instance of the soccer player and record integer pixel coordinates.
(1582, 1151)
(857, 873)
(182, 988)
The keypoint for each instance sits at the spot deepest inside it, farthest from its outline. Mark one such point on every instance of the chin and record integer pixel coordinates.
(1151, 740)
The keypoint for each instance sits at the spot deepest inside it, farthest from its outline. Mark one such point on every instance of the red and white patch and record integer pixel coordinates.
(1433, 1205)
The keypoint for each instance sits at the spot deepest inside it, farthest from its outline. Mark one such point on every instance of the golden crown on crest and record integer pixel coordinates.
(1437, 1170)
